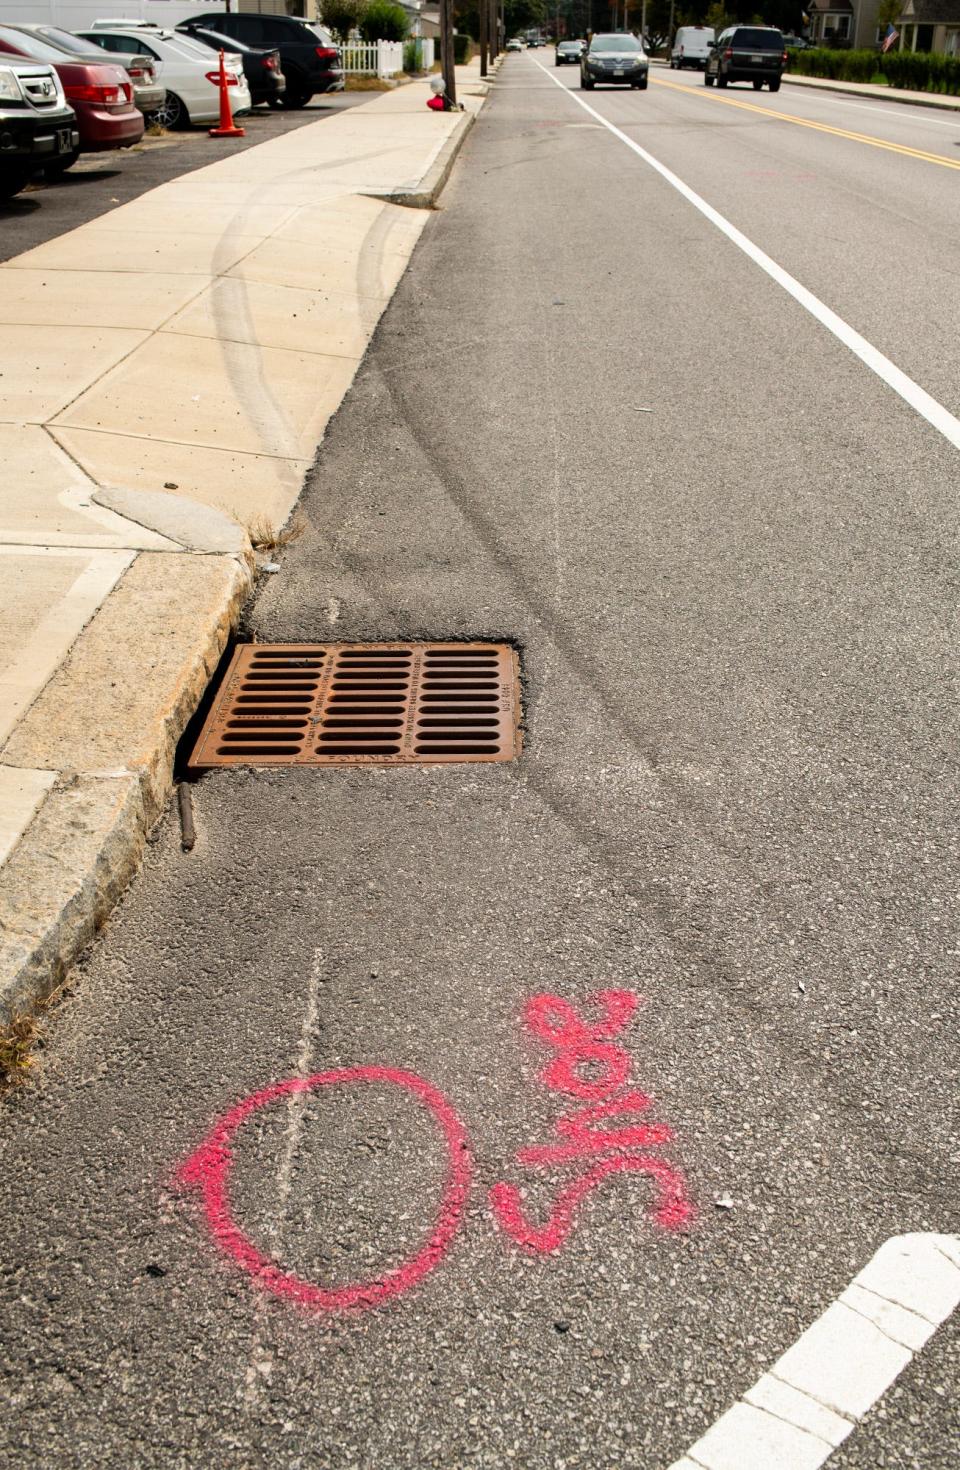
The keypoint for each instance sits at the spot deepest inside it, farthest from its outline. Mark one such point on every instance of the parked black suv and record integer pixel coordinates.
(747, 54)
(36, 125)
(308, 54)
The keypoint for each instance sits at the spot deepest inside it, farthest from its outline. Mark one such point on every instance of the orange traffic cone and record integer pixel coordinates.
(226, 128)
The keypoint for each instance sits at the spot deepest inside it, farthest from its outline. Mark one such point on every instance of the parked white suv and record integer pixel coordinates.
(188, 70)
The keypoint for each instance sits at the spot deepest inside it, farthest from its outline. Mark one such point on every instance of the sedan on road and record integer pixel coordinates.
(619, 60)
(747, 54)
(187, 69)
(148, 94)
(100, 93)
(568, 53)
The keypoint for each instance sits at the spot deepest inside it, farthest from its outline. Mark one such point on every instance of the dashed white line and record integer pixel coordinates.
(918, 398)
(796, 1415)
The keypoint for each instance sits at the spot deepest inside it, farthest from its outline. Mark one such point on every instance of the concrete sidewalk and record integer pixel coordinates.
(168, 373)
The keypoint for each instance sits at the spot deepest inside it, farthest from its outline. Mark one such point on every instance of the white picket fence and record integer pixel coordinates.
(381, 58)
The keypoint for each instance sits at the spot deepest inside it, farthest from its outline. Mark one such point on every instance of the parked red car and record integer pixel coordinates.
(100, 93)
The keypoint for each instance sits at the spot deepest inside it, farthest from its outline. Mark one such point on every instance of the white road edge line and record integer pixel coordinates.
(796, 1415)
(918, 398)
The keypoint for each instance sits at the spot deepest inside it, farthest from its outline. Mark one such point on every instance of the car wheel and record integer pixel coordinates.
(707, 79)
(58, 166)
(172, 114)
(757, 84)
(296, 96)
(775, 86)
(642, 84)
(721, 81)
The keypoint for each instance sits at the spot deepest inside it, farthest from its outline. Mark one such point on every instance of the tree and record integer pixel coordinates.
(340, 16)
(384, 21)
(888, 13)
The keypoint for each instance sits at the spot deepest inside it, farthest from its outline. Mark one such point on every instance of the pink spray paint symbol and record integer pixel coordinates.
(580, 1044)
(209, 1170)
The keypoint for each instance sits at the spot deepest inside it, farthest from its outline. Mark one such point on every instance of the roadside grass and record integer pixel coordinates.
(367, 84)
(264, 536)
(19, 1041)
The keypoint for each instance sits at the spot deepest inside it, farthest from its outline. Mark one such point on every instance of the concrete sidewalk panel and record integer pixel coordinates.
(337, 324)
(136, 252)
(92, 298)
(227, 395)
(346, 227)
(21, 794)
(370, 271)
(249, 487)
(47, 499)
(121, 700)
(47, 598)
(48, 367)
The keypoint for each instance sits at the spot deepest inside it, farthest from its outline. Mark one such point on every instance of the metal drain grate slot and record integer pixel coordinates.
(363, 704)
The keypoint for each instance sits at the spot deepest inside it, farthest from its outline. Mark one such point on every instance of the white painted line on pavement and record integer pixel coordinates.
(796, 1415)
(879, 109)
(918, 398)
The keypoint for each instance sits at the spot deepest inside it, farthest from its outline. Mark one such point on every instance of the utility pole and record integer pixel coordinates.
(670, 30)
(643, 23)
(484, 35)
(446, 51)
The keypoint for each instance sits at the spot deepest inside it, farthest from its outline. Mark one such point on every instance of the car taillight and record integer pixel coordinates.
(784, 57)
(214, 77)
(728, 54)
(270, 62)
(326, 53)
(135, 71)
(105, 96)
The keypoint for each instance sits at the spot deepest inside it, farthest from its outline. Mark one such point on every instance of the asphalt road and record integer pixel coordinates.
(591, 424)
(99, 182)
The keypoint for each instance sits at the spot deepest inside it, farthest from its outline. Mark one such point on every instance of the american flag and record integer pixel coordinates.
(890, 39)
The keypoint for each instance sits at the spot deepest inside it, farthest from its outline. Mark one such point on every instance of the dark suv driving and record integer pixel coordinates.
(746, 54)
(308, 54)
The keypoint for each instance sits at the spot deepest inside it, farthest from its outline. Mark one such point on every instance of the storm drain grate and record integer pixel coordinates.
(346, 704)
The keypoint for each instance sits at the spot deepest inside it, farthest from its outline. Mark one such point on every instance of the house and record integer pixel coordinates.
(930, 25)
(924, 25)
(853, 22)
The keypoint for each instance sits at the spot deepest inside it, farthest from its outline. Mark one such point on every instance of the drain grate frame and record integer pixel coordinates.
(363, 704)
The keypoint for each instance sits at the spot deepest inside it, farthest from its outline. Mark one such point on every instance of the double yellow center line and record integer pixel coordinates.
(805, 122)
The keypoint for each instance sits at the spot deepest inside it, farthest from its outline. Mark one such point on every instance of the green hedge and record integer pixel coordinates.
(919, 71)
(461, 49)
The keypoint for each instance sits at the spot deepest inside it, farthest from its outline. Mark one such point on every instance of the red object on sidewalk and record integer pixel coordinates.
(436, 103)
(227, 128)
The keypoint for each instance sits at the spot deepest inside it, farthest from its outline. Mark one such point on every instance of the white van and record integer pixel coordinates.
(691, 47)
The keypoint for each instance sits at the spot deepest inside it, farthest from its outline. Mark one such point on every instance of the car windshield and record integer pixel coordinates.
(615, 43)
(751, 40)
(569, 46)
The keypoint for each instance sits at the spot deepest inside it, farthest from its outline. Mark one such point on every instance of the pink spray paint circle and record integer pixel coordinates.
(209, 1170)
